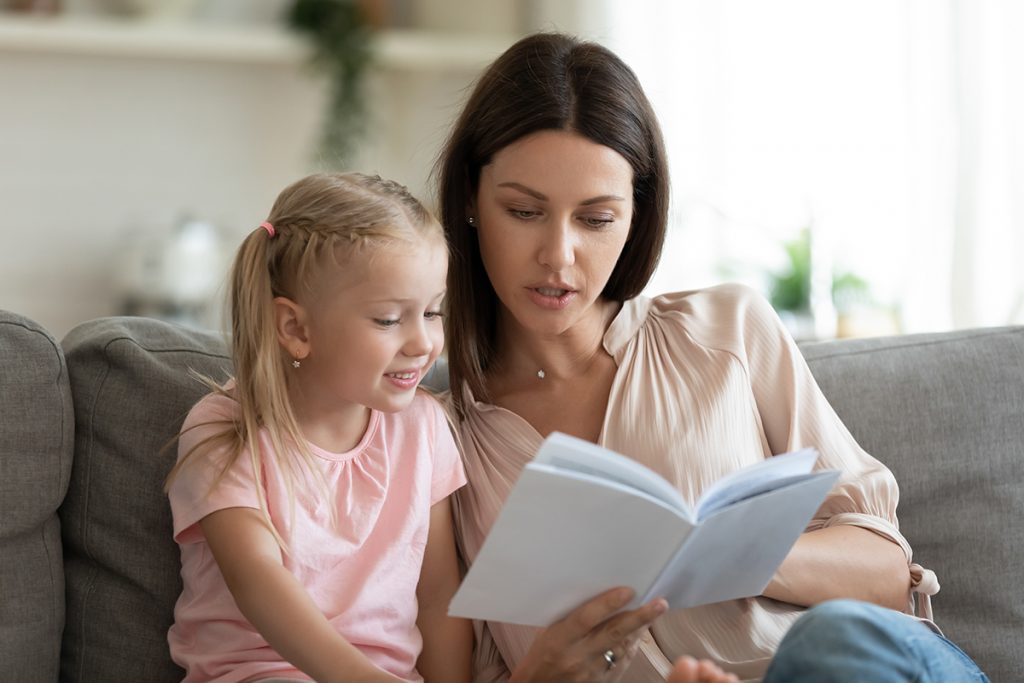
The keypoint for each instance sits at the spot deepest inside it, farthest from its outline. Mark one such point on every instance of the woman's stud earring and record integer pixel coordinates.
(471, 220)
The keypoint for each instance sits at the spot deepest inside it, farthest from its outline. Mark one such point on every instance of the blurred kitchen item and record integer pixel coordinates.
(174, 274)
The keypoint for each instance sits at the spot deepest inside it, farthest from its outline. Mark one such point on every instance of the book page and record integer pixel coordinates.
(755, 479)
(562, 538)
(570, 453)
(734, 552)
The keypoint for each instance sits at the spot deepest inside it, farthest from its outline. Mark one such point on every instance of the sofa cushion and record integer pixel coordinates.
(36, 441)
(132, 390)
(945, 412)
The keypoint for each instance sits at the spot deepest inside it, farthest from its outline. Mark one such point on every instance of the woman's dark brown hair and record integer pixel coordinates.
(546, 81)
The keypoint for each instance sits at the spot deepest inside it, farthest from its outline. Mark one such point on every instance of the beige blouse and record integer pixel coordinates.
(708, 381)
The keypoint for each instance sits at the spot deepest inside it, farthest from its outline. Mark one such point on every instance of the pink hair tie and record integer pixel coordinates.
(268, 227)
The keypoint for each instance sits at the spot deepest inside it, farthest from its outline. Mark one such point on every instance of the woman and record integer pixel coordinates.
(554, 194)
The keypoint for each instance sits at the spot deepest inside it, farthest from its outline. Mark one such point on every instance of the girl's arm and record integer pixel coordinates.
(274, 601)
(447, 641)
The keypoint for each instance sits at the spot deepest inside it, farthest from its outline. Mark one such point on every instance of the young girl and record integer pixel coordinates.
(310, 498)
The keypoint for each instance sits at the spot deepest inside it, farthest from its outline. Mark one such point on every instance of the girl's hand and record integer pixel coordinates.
(573, 649)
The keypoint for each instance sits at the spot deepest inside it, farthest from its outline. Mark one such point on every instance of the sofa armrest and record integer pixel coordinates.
(36, 438)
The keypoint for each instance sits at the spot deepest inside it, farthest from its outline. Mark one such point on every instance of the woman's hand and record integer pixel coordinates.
(573, 649)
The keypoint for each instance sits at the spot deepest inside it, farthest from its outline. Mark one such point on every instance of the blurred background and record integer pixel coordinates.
(861, 163)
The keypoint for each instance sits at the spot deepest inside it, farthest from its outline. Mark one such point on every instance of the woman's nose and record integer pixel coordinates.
(558, 248)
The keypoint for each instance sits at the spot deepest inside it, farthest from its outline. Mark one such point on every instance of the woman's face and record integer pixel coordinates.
(553, 212)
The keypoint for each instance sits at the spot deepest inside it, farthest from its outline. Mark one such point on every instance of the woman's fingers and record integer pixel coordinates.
(621, 627)
(594, 642)
(593, 612)
(620, 634)
(689, 670)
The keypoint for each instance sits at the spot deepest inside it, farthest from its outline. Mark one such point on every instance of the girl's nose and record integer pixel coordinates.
(418, 342)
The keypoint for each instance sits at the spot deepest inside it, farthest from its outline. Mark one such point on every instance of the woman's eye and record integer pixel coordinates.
(597, 221)
(387, 322)
(522, 214)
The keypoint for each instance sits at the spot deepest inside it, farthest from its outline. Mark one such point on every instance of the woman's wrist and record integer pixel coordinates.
(524, 672)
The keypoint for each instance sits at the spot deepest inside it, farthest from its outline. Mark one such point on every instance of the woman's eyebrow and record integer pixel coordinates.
(524, 189)
(603, 198)
(542, 197)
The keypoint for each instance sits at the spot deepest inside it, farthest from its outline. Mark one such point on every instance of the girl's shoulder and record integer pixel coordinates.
(216, 407)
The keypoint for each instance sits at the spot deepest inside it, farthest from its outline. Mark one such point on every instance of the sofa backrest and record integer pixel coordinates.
(36, 445)
(132, 388)
(945, 412)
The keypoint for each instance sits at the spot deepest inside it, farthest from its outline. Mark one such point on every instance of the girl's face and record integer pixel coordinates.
(374, 328)
(553, 211)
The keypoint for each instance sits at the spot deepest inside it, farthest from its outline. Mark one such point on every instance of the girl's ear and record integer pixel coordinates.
(292, 332)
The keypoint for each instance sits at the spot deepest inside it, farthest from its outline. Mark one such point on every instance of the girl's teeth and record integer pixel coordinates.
(403, 375)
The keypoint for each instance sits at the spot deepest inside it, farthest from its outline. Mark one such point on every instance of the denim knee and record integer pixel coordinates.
(827, 619)
(842, 641)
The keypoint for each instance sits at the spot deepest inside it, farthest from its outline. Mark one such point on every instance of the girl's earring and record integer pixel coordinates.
(296, 363)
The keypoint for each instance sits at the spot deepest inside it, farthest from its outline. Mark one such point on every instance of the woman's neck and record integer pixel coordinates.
(524, 355)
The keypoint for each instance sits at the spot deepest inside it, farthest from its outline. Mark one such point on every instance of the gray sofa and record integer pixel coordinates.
(89, 573)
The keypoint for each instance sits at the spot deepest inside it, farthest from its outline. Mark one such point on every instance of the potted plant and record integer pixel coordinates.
(791, 289)
(341, 35)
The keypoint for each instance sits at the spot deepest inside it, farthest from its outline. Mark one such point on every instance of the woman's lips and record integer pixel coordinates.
(551, 298)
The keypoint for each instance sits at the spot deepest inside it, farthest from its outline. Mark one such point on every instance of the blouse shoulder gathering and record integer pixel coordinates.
(719, 317)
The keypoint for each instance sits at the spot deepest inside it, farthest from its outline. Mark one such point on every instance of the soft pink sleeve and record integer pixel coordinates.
(192, 493)
(449, 474)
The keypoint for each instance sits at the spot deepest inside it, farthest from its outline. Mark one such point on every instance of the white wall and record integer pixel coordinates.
(95, 149)
(106, 144)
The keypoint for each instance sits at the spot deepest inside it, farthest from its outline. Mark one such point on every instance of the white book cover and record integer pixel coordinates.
(582, 519)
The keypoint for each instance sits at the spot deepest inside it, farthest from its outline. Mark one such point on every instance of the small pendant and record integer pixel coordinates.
(540, 374)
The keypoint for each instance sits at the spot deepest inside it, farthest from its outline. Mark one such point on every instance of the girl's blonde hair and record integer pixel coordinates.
(316, 222)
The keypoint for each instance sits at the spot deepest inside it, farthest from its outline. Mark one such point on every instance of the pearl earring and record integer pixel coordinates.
(471, 220)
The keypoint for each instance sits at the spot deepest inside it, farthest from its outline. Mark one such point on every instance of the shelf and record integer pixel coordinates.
(432, 51)
(396, 49)
(140, 39)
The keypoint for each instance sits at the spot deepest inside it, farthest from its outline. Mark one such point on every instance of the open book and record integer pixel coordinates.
(582, 519)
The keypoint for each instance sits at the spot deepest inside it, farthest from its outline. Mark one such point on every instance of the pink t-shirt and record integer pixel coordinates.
(362, 574)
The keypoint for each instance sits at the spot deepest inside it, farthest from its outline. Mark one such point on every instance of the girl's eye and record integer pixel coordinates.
(387, 322)
(433, 315)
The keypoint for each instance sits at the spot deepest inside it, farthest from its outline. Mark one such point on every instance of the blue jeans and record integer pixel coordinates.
(845, 641)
